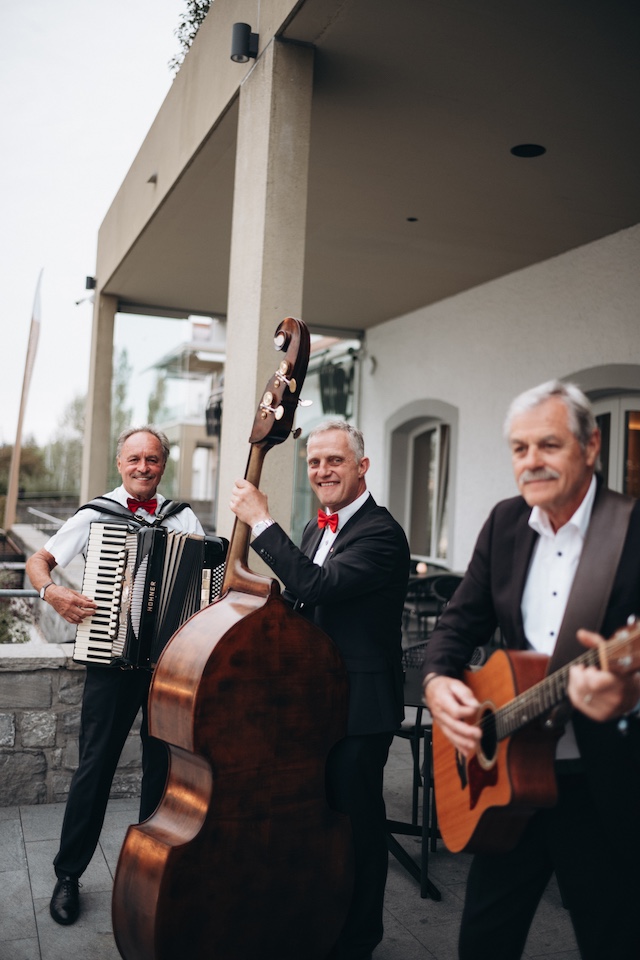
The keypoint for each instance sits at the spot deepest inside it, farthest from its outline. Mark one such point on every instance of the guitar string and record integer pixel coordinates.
(513, 714)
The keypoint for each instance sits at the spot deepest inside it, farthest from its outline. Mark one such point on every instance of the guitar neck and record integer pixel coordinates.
(620, 655)
(538, 699)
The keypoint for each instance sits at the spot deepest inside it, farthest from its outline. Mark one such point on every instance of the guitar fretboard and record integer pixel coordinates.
(621, 657)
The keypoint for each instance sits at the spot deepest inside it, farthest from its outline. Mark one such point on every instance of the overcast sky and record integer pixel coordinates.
(80, 84)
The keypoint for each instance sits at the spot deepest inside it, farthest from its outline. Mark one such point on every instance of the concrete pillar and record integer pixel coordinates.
(97, 434)
(267, 258)
(185, 463)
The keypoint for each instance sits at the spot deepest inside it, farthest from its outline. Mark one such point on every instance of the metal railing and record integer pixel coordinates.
(50, 524)
(8, 592)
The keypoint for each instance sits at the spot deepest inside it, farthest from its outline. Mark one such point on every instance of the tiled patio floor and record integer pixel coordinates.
(416, 929)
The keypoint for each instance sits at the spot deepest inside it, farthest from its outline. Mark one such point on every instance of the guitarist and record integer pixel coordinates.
(519, 579)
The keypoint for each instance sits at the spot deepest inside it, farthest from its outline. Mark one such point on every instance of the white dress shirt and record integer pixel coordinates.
(326, 544)
(72, 538)
(549, 581)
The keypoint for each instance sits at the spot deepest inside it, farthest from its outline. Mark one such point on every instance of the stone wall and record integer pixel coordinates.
(40, 699)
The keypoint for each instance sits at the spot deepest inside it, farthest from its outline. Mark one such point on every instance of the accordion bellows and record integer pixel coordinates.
(146, 582)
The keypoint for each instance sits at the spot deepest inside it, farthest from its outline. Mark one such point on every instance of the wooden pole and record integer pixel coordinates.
(14, 471)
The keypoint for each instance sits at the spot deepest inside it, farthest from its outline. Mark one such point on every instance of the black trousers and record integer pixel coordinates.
(355, 773)
(110, 704)
(600, 885)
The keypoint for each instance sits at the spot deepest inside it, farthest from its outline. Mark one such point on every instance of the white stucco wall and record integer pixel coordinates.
(478, 350)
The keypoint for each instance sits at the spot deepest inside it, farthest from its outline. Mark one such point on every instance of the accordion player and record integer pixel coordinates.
(146, 582)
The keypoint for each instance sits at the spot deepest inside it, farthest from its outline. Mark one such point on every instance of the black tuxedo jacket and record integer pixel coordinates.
(490, 595)
(356, 597)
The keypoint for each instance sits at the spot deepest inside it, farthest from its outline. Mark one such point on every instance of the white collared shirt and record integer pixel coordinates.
(72, 538)
(325, 545)
(553, 567)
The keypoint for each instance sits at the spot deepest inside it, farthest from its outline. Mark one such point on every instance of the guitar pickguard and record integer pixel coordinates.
(479, 778)
(473, 775)
(461, 767)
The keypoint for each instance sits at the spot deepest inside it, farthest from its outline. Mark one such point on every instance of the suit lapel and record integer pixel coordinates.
(311, 539)
(313, 535)
(344, 533)
(524, 543)
(592, 584)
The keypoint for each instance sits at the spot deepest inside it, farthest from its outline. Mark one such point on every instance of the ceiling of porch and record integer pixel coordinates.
(414, 193)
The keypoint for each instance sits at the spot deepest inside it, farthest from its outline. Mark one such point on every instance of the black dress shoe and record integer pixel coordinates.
(65, 902)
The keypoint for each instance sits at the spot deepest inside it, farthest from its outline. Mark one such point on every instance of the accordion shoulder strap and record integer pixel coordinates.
(114, 509)
(170, 507)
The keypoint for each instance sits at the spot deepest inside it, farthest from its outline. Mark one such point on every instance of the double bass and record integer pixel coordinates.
(243, 859)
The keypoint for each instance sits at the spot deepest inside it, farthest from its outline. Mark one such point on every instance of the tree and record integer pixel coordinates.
(156, 409)
(187, 29)
(120, 414)
(63, 456)
(33, 471)
(156, 413)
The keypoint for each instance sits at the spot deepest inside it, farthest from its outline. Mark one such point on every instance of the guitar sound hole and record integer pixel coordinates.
(488, 743)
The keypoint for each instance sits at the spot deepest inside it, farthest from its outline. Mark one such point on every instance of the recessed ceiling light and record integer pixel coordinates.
(528, 150)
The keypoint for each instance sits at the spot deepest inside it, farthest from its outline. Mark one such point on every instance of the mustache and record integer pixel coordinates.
(542, 473)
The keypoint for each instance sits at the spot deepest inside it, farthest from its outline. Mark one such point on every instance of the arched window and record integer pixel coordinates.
(428, 478)
(423, 442)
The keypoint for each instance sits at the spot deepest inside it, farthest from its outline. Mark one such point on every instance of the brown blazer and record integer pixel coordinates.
(490, 595)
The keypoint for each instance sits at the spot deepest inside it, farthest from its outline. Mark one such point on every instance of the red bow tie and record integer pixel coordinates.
(328, 520)
(148, 505)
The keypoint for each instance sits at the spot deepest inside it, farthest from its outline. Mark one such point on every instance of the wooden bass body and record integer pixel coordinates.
(243, 858)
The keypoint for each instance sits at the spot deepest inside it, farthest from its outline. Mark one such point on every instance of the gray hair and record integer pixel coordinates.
(354, 436)
(582, 421)
(158, 434)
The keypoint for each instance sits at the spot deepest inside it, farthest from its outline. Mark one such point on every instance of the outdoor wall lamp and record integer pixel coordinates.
(244, 44)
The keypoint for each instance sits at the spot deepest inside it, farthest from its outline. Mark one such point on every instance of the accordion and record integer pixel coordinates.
(146, 582)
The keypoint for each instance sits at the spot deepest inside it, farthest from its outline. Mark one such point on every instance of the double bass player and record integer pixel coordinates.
(350, 577)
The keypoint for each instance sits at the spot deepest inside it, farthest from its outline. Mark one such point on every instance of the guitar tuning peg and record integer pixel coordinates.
(296, 433)
(304, 403)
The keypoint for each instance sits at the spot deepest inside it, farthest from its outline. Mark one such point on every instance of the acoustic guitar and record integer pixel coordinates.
(485, 801)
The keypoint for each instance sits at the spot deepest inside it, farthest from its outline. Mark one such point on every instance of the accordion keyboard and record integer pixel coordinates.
(104, 576)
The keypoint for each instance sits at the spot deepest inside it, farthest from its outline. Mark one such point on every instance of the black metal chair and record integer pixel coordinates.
(417, 730)
(443, 587)
(420, 606)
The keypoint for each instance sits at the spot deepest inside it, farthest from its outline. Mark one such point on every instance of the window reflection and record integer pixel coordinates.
(632, 453)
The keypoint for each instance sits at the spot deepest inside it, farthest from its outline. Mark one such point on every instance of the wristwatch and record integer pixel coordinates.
(261, 526)
(43, 590)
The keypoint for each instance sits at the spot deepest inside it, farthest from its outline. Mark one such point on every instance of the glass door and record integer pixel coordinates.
(619, 421)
